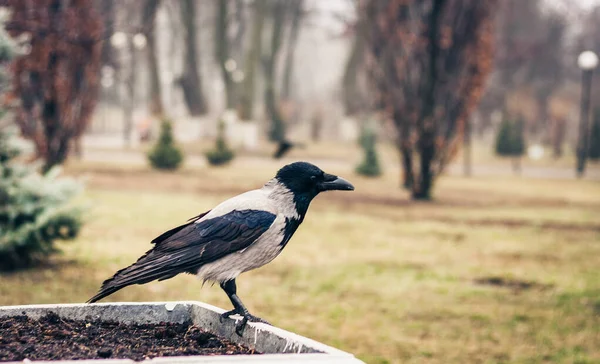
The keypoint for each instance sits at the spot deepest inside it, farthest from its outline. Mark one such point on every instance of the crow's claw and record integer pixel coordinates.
(246, 317)
(227, 314)
(239, 328)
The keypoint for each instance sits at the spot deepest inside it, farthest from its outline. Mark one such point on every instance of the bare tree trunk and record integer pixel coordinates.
(434, 81)
(467, 147)
(558, 137)
(56, 153)
(316, 125)
(108, 56)
(427, 131)
(176, 31)
(407, 178)
(351, 93)
(57, 147)
(277, 132)
(516, 165)
(252, 58)
(237, 43)
(222, 52)
(541, 128)
(107, 10)
(149, 21)
(129, 97)
(78, 148)
(421, 189)
(296, 13)
(405, 149)
(190, 81)
(584, 129)
(56, 82)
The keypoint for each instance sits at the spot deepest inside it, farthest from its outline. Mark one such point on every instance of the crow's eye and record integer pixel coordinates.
(313, 178)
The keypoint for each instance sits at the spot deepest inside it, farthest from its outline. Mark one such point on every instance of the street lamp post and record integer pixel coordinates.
(587, 62)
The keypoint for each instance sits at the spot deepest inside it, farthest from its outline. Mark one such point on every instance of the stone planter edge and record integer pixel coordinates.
(279, 346)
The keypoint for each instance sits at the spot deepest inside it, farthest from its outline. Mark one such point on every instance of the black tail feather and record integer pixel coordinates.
(105, 291)
(142, 271)
(115, 283)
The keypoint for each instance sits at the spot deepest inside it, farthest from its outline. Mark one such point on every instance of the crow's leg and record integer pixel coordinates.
(230, 288)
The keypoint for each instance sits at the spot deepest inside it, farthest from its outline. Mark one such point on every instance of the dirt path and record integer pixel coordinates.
(136, 158)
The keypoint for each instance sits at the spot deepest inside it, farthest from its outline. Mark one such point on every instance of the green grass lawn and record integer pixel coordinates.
(495, 270)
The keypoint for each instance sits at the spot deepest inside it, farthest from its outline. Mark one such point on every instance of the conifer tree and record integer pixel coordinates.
(370, 165)
(34, 210)
(510, 141)
(504, 139)
(165, 154)
(221, 154)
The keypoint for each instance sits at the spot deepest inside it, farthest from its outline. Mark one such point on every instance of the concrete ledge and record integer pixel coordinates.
(279, 346)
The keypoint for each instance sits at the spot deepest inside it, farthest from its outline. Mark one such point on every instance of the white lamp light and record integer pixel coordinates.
(587, 60)
(118, 40)
(139, 41)
(230, 65)
(535, 152)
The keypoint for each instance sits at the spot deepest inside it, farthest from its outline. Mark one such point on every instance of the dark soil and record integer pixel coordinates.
(54, 338)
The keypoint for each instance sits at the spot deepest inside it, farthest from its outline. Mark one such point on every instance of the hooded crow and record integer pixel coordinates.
(240, 234)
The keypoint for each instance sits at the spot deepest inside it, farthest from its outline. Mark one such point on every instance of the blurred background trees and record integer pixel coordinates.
(436, 74)
(531, 46)
(35, 209)
(253, 56)
(429, 62)
(390, 94)
(149, 12)
(190, 80)
(222, 52)
(276, 14)
(57, 79)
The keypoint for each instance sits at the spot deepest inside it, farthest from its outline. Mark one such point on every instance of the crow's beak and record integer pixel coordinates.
(333, 183)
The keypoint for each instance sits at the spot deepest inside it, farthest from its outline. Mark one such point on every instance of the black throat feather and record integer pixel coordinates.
(301, 203)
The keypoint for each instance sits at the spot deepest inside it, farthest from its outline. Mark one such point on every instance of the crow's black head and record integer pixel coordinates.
(306, 179)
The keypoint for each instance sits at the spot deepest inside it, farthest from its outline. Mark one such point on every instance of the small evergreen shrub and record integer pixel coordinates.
(594, 151)
(364, 138)
(510, 141)
(165, 154)
(370, 164)
(34, 210)
(503, 139)
(519, 145)
(221, 154)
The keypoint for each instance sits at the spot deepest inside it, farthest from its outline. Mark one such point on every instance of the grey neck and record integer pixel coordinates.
(282, 197)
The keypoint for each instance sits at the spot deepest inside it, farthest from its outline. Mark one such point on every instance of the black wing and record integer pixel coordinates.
(189, 246)
(167, 234)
